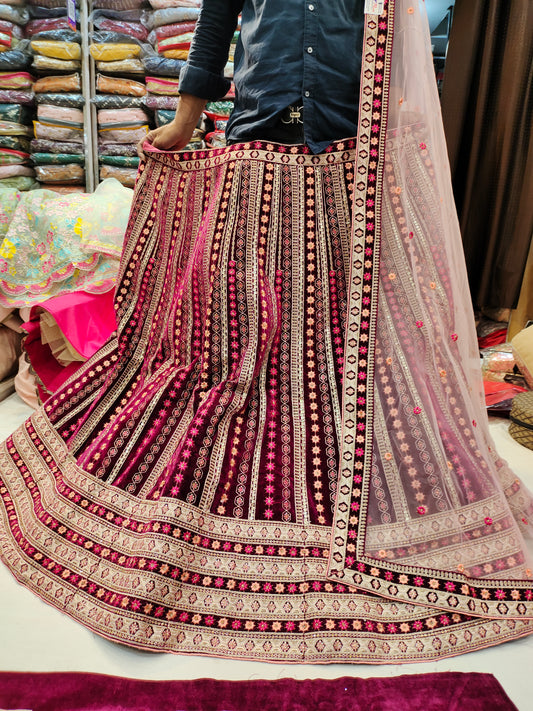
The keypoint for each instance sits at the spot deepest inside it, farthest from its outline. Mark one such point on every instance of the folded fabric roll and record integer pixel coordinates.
(114, 52)
(70, 172)
(9, 156)
(118, 85)
(163, 116)
(44, 145)
(124, 66)
(15, 112)
(59, 35)
(175, 54)
(61, 65)
(48, 3)
(11, 171)
(162, 85)
(10, 128)
(57, 133)
(16, 80)
(176, 28)
(216, 109)
(122, 118)
(126, 176)
(56, 84)
(57, 158)
(60, 99)
(57, 50)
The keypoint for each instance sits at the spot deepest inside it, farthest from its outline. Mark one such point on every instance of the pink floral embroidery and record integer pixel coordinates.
(454, 336)
(421, 510)
(417, 410)
(488, 521)
(419, 324)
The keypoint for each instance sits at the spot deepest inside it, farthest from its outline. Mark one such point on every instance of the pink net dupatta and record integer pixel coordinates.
(283, 454)
(426, 512)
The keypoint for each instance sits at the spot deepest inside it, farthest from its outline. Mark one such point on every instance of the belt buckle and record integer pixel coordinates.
(295, 115)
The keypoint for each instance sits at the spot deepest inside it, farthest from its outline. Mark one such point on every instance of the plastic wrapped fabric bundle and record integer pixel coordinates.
(116, 149)
(15, 112)
(50, 63)
(181, 41)
(176, 28)
(162, 85)
(56, 49)
(66, 173)
(48, 3)
(161, 4)
(20, 182)
(115, 101)
(12, 171)
(17, 15)
(121, 118)
(218, 109)
(57, 133)
(58, 36)
(56, 84)
(157, 65)
(122, 135)
(12, 29)
(8, 156)
(168, 16)
(118, 85)
(16, 143)
(63, 116)
(44, 145)
(46, 24)
(114, 51)
(125, 66)
(15, 59)
(158, 101)
(16, 80)
(57, 159)
(120, 161)
(126, 176)
(118, 4)
(163, 116)
(67, 99)
(133, 29)
(10, 128)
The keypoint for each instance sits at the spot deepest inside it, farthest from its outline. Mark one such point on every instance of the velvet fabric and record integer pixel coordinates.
(449, 691)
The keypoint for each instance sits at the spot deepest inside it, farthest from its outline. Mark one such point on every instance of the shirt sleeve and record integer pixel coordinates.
(203, 75)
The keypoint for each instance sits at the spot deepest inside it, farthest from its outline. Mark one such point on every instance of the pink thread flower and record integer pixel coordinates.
(454, 336)
(417, 410)
(421, 510)
(488, 521)
(419, 324)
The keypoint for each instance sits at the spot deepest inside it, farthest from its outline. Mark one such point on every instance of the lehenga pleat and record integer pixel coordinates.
(282, 453)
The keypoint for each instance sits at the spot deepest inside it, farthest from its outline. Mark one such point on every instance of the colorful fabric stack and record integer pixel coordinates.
(16, 100)
(171, 24)
(117, 48)
(58, 147)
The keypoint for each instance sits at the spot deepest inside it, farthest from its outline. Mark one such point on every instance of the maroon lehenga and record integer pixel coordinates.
(282, 454)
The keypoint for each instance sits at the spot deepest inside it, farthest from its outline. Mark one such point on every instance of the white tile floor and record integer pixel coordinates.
(36, 637)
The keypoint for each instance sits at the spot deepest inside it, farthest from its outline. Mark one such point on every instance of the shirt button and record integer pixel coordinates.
(307, 94)
(310, 50)
(311, 7)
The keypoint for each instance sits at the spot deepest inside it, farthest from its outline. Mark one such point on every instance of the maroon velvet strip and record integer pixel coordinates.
(447, 691)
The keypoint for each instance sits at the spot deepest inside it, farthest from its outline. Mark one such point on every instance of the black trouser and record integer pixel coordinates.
(289, 129)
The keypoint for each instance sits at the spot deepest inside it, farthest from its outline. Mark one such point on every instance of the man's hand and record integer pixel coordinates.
(176, 134)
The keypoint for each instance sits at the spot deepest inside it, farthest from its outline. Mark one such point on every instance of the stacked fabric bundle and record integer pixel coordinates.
(171, 24)
(16, 99)
(59, 138)
(117, 47)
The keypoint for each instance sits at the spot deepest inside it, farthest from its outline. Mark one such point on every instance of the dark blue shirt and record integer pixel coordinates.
(289, 52)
